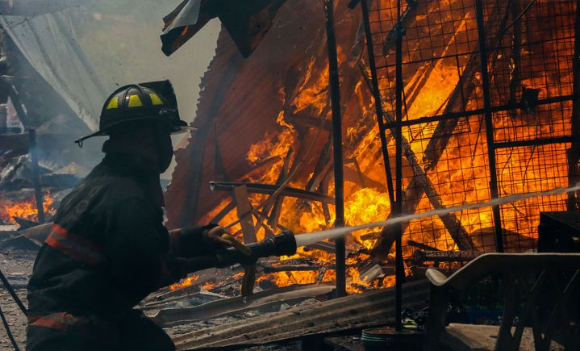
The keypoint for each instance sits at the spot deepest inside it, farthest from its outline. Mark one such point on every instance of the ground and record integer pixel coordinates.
(16, 265)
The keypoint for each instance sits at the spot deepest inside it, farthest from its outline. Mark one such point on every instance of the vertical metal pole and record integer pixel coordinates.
(488, 124)
(378, 101)
(337, 143)
(574, 151)
(400, 267)
(35, 175)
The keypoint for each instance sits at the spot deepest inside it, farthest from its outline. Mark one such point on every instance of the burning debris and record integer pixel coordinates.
(446, 151)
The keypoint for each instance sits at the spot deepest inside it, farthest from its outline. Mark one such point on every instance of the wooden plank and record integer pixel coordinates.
(244, 207)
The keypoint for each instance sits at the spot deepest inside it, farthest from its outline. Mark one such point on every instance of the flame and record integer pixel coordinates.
(184, 283)
(209, 285)
(460, 175)
(25, 209)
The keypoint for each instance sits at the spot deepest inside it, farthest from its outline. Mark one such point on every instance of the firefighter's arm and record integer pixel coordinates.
(137, 247)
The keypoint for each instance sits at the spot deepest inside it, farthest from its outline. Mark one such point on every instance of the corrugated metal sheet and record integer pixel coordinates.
(241, 99)
(351, 312)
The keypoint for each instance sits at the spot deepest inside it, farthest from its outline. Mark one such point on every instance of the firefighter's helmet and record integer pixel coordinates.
(135, 104)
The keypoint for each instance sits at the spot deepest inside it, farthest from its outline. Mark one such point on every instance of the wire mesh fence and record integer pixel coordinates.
(530, 51)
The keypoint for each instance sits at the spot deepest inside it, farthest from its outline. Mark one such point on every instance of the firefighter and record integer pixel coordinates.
(108, 248)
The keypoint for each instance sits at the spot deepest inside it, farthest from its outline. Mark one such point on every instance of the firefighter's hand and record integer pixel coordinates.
(215, 236)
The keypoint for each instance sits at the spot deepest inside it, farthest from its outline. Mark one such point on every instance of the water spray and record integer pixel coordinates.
(285, 244)
(314, 237)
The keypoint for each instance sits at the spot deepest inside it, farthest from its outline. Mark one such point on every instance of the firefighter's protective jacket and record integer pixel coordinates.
(108, 249)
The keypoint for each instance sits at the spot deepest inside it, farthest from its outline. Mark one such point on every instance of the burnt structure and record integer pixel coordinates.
(489, 108)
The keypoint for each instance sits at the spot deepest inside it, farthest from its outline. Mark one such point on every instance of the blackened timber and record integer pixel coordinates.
(334, 84)
(259, 188)
(488, 123)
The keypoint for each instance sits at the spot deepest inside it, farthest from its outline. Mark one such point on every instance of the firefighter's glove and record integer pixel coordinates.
(219, 237)
(197, 241)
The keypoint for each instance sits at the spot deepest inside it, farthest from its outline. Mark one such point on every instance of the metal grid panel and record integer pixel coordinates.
(532, 62)
(531, 47)
(460, 177)
(525, 170)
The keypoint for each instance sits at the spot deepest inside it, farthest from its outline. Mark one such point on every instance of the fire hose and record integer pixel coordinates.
(20, 305)
(246, 256)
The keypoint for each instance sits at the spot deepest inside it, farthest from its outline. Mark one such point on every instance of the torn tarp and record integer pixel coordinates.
(48, 43)
(247, 21)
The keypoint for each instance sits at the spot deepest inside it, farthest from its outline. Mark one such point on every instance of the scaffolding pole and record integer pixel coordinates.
(574, 151)
(488, 124)
(334, 84)
(399, 266)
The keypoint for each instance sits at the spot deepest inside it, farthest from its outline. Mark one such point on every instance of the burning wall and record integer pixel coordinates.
(265, 116)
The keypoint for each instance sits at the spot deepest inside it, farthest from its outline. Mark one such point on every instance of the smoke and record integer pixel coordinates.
(121, 39)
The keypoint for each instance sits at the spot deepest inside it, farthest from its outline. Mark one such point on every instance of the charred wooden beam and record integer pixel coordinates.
(260, 188)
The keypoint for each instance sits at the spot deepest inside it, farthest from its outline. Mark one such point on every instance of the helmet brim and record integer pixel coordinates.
(178, 126)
